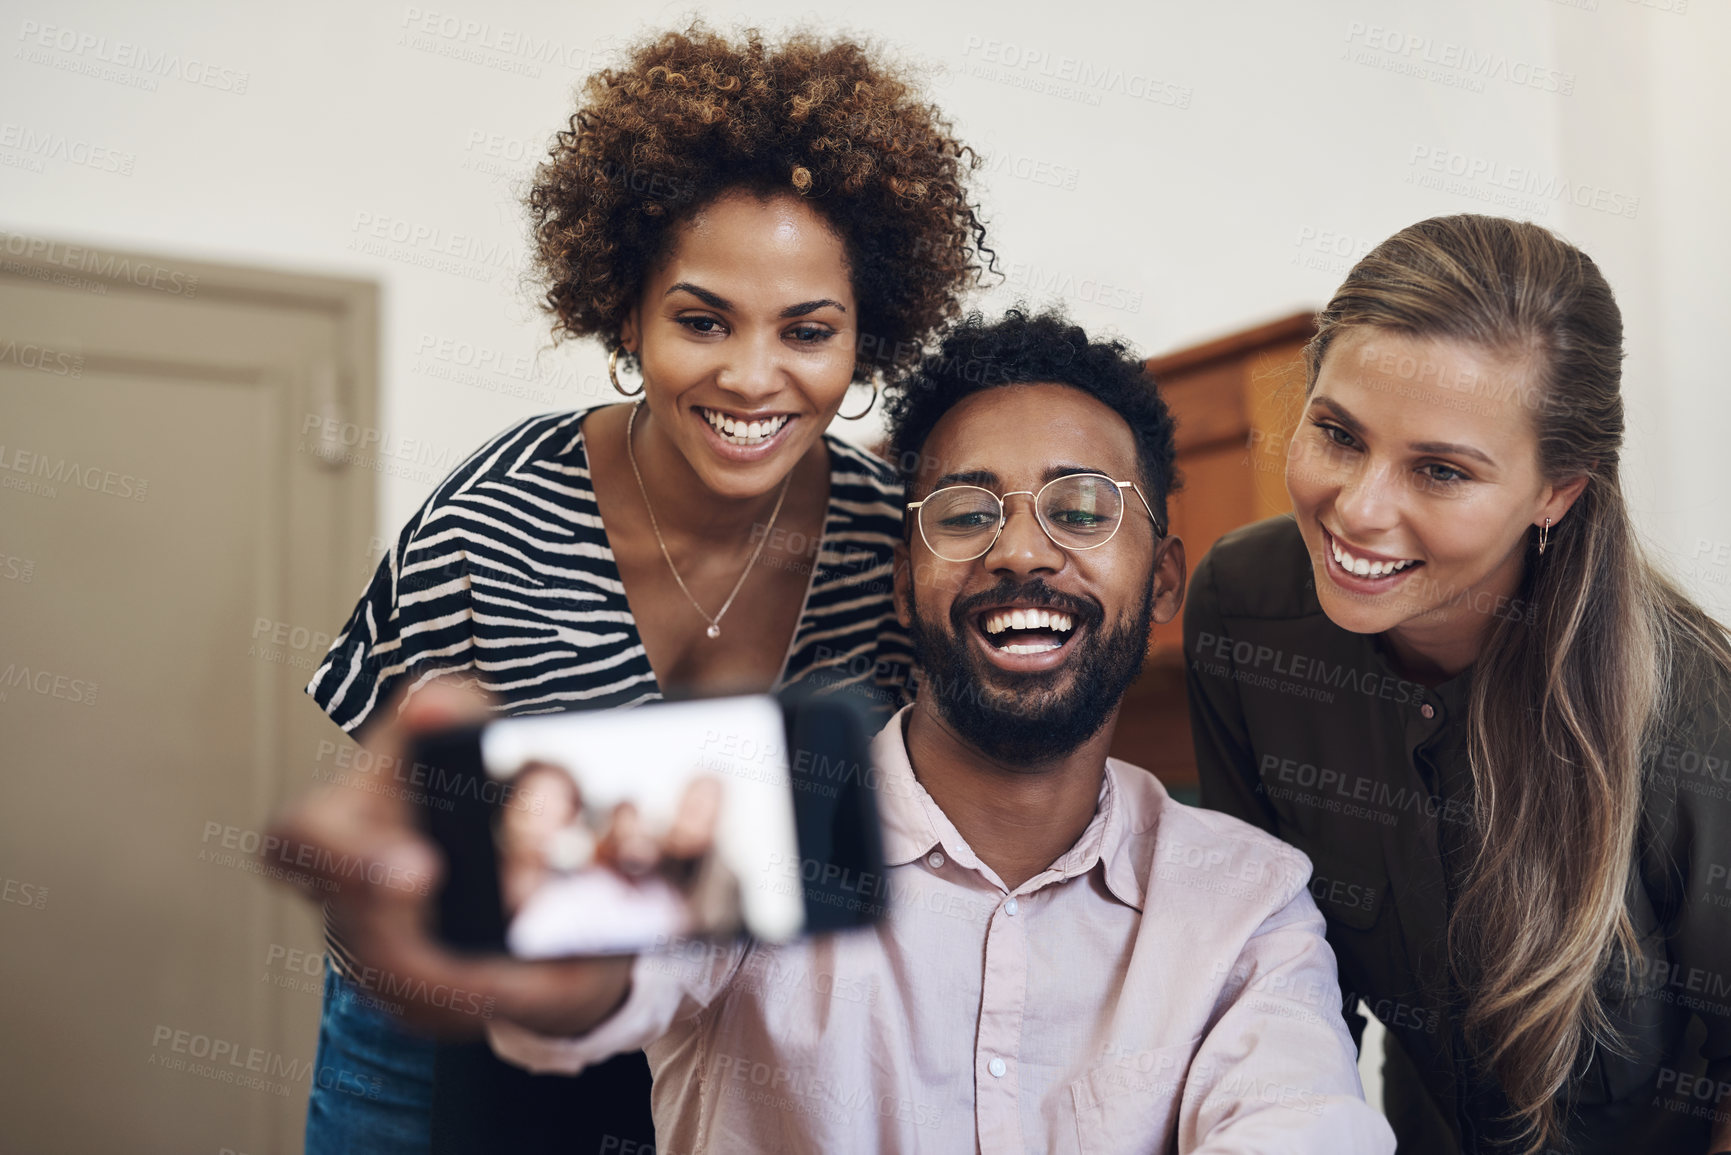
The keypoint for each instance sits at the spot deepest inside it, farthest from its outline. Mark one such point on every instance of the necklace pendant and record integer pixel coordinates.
(713, 631)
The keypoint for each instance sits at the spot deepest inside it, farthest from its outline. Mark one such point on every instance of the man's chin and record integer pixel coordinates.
(1016, 718)
(1019, 694)
(1021, 733)
(1022, 705)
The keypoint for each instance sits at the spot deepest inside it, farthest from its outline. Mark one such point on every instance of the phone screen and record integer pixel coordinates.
(795, 846)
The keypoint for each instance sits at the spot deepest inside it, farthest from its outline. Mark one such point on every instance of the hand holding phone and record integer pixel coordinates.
(364, 856)
(605, 832)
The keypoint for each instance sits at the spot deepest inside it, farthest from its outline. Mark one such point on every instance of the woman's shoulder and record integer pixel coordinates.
(865, 495)
(855, 467)
(1260, 570)
(1686, 804)
(1693, 730)
(529, 454)
(543, 437)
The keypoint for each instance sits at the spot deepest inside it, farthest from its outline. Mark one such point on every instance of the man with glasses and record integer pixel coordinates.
(1073, 961)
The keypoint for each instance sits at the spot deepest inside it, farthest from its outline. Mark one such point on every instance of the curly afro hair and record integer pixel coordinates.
(1046, 348)
(690, 115)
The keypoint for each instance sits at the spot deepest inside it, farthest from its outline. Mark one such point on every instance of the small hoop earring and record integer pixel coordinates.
(1544, 535)
(613, 375)
(867, 409)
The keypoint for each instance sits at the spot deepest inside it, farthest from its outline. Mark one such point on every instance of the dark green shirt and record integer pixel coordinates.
(1309, 732)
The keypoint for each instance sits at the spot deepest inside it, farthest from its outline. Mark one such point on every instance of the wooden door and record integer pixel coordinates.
(1235, 401)
(175, 540)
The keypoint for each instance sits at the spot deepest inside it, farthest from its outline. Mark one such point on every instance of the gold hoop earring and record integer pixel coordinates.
(867, 409)
(1544, 535)
(613, 375)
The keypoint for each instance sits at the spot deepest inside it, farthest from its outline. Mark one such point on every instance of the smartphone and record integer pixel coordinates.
(519, 805)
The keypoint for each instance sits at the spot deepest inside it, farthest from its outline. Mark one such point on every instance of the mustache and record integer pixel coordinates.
(1034, 592)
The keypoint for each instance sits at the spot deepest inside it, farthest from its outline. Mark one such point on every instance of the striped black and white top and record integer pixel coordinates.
(506, 573)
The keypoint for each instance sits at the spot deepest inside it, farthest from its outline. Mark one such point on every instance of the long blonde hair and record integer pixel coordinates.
(1565, 701)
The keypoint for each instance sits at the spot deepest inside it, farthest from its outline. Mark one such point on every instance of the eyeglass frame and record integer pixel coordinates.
(913, 507)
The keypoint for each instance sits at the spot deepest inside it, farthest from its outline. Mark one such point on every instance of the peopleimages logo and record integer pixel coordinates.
(497, 46)
(39, 145)
(46, 683)
(81, 51)
(1484, 178)
(144, 274)
(1447, 61)
(57, 471)
(43, 359)
(1072, 77)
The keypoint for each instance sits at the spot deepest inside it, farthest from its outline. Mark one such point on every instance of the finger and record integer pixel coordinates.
(449, 995)
(415, 711)
(439, 704)
(331, 838)
(395, 958)
(693, 831)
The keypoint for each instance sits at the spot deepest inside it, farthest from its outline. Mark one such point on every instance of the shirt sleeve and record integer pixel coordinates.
(353, 677)
(1225, 763)
(415, 617)
(665, 989)
(1277, 1071)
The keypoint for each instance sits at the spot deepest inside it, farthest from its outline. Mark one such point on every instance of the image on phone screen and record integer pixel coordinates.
(530, 804)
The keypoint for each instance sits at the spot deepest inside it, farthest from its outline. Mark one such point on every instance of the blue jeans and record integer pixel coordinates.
(372, 1080)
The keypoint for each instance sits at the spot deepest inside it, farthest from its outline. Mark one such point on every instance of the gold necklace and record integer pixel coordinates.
(714, 629)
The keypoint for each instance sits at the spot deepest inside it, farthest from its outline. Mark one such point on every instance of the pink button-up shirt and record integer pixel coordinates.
(1164, 985)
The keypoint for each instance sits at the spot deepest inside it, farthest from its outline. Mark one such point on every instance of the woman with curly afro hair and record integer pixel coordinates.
(757, 233)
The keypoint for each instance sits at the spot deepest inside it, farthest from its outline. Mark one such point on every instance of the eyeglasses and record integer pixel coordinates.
(1077, 511)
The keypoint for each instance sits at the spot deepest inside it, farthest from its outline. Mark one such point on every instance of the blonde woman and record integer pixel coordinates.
(1451, 677)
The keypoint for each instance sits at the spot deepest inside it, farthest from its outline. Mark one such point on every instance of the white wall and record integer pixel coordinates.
(1203, 166)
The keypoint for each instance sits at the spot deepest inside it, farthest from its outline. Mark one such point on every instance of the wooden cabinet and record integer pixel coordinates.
(1236, 400)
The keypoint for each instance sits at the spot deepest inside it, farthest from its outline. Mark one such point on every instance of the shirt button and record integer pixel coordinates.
(1010, 907)
(934, 860)
(1427, 710)
(997, 1068)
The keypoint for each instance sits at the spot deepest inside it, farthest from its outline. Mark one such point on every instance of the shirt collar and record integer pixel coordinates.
(1127, 846)
(1453, 693)
(914, 825)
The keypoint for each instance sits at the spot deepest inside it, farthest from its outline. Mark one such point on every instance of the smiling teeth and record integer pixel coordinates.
(1364, 568)
(1003, 620)
(736, 432)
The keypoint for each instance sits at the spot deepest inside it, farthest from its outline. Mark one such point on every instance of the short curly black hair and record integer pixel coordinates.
(690, 115)
(1045, 348)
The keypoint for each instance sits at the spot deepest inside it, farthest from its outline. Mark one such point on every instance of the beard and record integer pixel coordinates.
(1030, 719)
